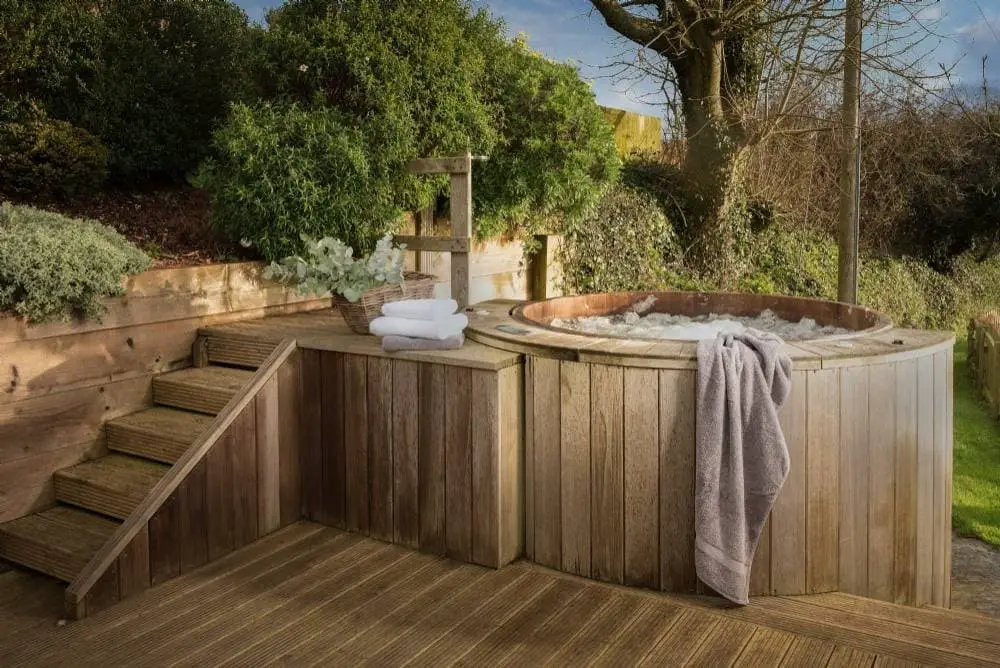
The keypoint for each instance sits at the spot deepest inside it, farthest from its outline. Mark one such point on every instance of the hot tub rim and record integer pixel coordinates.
(881, 322)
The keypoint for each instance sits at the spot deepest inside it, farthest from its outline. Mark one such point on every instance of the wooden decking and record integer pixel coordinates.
(309, 595)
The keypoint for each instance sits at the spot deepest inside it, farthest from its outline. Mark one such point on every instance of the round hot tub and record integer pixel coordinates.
(609, 455)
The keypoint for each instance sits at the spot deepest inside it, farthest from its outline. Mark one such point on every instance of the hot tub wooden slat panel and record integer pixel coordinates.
(854, 469)
(405, 456)
(925, 479)
(458, 463)
(677, 480)
(529, 458)
(881, 480)
(942, 456)
(641, 470)
(760, 569)
(788, 517)
(334, 455)
(905, 502)
(822, 480)
(547, 501)
(355, 440)
(485, 443)
(606, 461)
(430, 458)
(574, 391)
(949, 474)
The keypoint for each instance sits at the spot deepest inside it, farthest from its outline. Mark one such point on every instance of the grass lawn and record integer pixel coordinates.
(976, 507)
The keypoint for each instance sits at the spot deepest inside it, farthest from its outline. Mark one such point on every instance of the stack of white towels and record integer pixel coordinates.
(420, 324)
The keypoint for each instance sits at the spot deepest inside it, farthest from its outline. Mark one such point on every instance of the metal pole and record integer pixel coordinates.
(850, 177)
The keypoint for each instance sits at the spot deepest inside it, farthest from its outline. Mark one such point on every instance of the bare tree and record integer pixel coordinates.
(719, 55)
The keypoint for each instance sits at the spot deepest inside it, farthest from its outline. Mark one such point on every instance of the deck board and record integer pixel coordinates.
(306, 595)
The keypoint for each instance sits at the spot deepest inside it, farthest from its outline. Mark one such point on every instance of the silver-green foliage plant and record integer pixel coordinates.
(57, 268)
(329, 265)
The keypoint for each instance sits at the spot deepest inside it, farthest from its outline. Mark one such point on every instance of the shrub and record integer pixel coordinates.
(793, 262)
(409, 73)
(433, 77)
(624, 243)
(557, 152)
(46, 158)
(281, 172)
(150, 78)
(49, 52)
(57, 268)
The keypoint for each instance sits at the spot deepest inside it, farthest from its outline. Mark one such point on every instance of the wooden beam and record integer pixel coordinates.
(461, 226)
(459, 164)
(435, 244)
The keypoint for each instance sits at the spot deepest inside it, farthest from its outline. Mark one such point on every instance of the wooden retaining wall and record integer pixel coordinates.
(240, 481)
(62, 381)
(866, 508)
(415, 453)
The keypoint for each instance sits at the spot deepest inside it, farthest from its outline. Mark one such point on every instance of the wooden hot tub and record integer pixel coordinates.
(609, 450)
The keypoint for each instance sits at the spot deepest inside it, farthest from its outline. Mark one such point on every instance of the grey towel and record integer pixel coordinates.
(741, 456)
(393, 343)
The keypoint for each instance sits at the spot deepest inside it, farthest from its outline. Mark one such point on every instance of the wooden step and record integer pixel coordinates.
(205, 390)
(237, 350)
(58, 541)
(159, 434)
(112, 485)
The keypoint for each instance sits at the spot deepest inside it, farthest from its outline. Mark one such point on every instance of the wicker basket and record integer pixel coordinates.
(418, 286)
(358, 315)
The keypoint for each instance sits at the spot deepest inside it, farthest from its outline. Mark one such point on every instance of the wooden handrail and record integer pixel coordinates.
(110, 551)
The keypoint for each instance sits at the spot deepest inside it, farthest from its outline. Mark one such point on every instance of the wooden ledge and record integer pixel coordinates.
(491, 324)
(326, 330)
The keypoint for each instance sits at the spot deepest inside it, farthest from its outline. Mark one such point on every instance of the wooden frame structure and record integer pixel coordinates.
(459, 244)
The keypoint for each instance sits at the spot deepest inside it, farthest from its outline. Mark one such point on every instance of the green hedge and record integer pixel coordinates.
(58, 268)
(149, 78)
(623, 243)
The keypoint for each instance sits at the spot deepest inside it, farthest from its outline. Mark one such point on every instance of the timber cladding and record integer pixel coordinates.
(62, 381)
(866, 508)
(415, 453)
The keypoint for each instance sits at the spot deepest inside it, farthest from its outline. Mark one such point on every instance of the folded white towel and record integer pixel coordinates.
(420, 309)
(439, 329)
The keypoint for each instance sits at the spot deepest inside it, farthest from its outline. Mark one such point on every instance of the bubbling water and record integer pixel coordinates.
(686, 328)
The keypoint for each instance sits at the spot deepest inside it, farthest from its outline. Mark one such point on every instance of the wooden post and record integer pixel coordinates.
(847, 276)
(538, 269)
(461, 228)
(460, 242)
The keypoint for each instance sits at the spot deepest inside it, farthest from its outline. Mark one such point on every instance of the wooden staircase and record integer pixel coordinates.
(95, 496)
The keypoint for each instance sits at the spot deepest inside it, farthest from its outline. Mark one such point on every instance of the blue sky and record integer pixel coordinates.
(568, 30)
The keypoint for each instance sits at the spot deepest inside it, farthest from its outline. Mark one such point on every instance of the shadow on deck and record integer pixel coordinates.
(311, 595)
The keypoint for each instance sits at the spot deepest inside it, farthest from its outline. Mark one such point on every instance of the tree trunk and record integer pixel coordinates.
(711, 169)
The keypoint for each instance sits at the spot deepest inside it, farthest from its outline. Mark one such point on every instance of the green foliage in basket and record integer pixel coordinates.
(329, 265)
